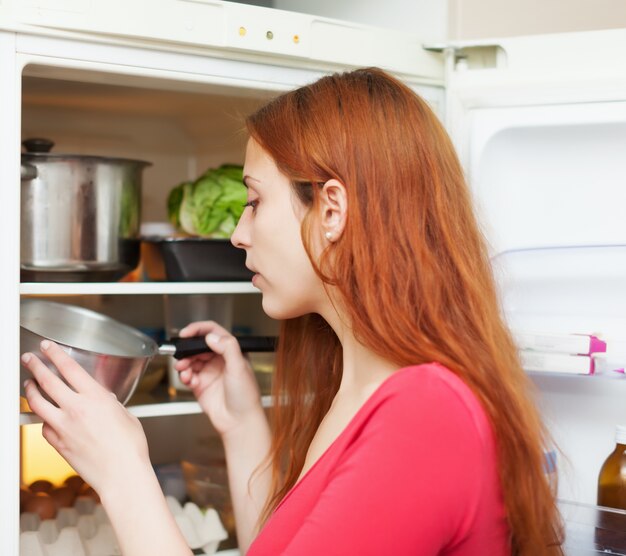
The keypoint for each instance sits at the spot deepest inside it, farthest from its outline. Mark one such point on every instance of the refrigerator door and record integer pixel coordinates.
(550, 175)
(540, 125)
(540, 132)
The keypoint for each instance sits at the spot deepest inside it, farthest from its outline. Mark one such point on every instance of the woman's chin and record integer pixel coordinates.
(280, 311)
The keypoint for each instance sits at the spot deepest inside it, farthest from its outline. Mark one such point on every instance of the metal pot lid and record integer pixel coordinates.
(38, 150)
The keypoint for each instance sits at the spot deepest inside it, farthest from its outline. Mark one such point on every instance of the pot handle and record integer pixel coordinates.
(27, 172)
(38, 145)
(180, 348)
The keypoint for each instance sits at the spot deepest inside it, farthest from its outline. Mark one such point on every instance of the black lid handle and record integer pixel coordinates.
(38, 145)
(188, 347)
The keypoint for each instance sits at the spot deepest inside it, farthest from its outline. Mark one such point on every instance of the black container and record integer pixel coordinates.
(194, 259)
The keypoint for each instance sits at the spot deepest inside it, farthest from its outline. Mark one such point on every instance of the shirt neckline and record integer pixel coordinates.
(351, 424)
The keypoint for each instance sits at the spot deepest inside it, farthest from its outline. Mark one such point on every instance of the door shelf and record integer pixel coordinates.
(134, 288)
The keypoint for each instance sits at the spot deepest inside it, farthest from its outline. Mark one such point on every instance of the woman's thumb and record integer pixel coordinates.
(226, 346)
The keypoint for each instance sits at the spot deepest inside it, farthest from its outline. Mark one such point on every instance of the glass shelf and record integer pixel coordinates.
(134, 288)
(607, 375)
(591, 530)
(160, 408)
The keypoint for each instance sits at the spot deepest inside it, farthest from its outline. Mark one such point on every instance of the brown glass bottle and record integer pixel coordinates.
(612, 478)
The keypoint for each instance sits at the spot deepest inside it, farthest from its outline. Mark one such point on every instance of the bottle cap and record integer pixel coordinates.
(620, 434)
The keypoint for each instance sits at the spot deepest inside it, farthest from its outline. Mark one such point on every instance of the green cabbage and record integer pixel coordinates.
(210, 206)
(130, 210)
(174, 200)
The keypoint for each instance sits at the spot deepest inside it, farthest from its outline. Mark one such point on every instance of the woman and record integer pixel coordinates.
(403, 422)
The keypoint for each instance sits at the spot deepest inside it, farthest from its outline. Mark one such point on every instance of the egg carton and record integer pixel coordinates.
(85, 530)
(201, 530)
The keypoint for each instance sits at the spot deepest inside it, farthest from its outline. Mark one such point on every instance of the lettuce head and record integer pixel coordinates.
(211, 206)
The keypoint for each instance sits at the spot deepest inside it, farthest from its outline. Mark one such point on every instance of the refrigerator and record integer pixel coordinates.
(539, 124)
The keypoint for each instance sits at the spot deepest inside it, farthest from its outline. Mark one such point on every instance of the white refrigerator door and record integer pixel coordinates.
(541, 131)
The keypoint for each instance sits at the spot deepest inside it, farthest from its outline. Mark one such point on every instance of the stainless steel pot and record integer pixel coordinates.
(80, 215)
(115, 354)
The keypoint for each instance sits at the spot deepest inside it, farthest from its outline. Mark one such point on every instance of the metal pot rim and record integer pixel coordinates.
(94, 353)
(58, 157)
(145, 346)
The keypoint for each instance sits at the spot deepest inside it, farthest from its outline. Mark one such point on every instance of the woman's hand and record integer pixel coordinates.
(222, 381)
(97, 436)
(224, 384)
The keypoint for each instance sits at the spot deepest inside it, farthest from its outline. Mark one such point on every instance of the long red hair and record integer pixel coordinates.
(412, 271)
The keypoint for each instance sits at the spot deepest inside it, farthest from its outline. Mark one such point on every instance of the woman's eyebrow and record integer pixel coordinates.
(246, 178)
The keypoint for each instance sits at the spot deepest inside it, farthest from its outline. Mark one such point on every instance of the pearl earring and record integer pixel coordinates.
(328, 236)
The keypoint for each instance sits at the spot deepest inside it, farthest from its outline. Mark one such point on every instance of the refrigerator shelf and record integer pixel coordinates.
(564, 289)
(613, 376)
(591, 529)
(159, 409)
(135, 288)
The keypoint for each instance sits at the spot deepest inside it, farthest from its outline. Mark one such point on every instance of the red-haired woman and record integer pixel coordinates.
(402, 423)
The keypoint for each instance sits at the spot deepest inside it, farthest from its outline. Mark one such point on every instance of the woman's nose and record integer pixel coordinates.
(241, 236)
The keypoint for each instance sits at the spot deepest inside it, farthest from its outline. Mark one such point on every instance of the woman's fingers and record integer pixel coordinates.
(187, 361)
(185, 376)
(51, 437)
(220, 340)
(39, 404)
(73, 373)
(195, 363)
(202, 328)
(189, 368)
(50, 383)
(226, 345)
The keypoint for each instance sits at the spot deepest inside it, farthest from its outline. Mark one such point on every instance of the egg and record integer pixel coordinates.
(63, 497)
(89, 492)
(74, 482)
(41, 485)
(25, 495)
(42, 504)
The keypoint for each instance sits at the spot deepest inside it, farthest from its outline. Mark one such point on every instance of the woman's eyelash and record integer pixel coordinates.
(252, 204)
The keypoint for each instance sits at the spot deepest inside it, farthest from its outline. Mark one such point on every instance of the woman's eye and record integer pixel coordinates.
(252, 204)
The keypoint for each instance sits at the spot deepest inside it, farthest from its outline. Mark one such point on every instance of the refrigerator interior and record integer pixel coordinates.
(549, 186)
(182, 126)
(182, 133)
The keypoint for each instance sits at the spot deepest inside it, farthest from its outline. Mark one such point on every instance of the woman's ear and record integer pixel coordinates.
(333, 210)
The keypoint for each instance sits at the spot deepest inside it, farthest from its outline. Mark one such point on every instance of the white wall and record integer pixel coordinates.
(427, 19)
(438, 20)
(470, 19)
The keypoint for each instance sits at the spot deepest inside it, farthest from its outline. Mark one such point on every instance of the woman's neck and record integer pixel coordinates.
(363, 369)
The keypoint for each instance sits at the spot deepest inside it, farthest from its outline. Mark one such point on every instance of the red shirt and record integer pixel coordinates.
(414, 473)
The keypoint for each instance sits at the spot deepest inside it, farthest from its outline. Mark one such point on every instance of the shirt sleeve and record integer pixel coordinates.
(409, 483)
